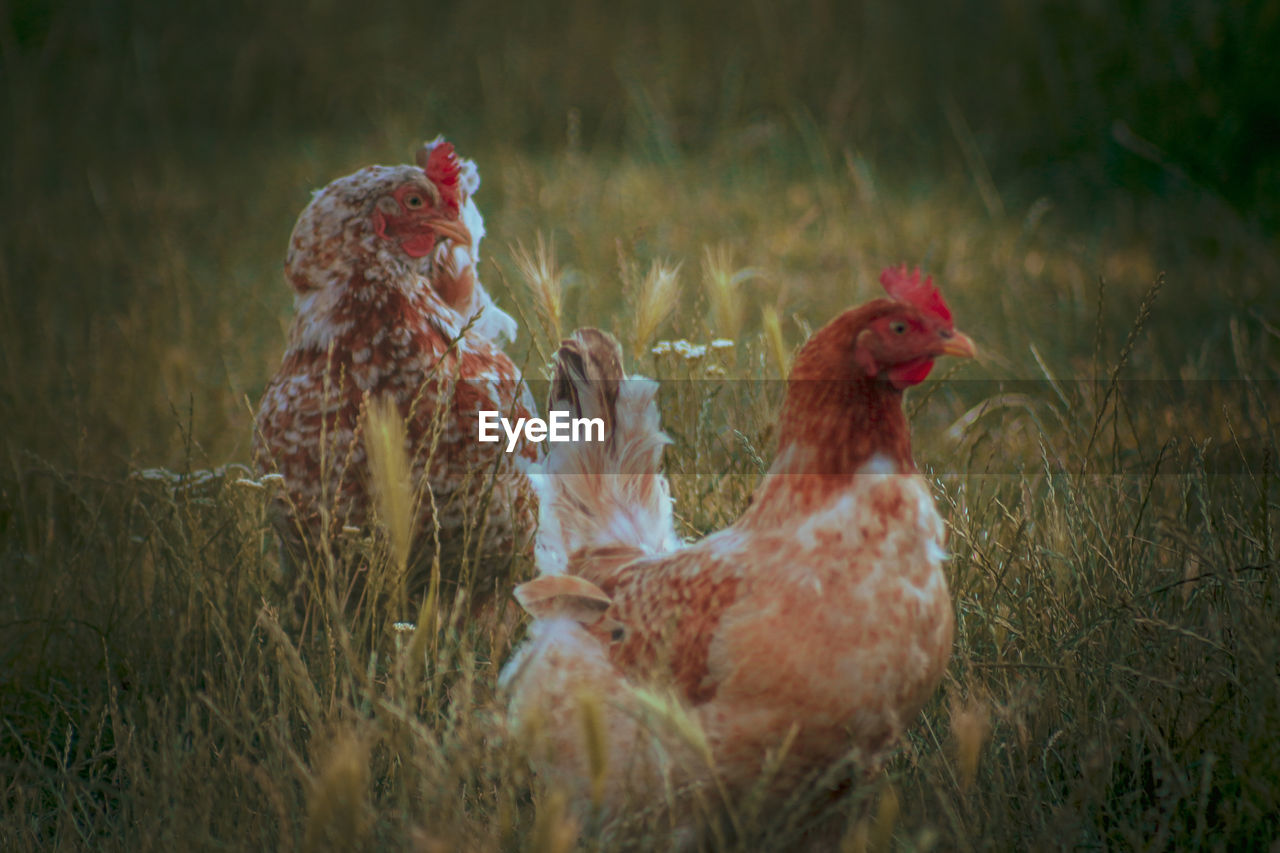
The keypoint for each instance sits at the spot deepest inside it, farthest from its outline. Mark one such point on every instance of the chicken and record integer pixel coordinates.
(812, 629)
(388, 305)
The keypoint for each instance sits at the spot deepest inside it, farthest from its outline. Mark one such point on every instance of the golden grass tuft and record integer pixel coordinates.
(874, 832)
(594, 735)
(653, 299)
(339, 811)
(386, 441)
(554, 830)
(545, 281)
(970, 729)
(776, 345)
(723, 285)
(666, 713)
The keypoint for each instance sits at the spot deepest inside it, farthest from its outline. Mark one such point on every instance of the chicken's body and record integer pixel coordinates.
(383, 264)
(837, 622)
(813, 629)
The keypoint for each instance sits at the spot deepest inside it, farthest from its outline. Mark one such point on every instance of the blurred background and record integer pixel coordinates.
(1095, 185)
(156, 154)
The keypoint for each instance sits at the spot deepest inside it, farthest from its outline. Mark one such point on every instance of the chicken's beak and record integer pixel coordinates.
(959, 345)
(452, 229)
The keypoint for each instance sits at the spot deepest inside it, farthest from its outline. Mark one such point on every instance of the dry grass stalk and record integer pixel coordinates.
(385, 441)
(655, 298)
(771, 324)
(545, 280)
(554, 829)
(593, 732)
(970, 728)
(723, 286)
(339, 816)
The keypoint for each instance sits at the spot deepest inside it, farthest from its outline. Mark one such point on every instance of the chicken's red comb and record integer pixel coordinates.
(442, 170)
(908, 287)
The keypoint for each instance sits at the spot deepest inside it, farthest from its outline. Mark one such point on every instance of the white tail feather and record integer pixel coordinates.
(603, 494)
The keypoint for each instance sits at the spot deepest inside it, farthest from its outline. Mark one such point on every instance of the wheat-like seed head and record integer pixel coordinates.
(666, 713)
(545, 280)
(554, 829)
(722, 283)
(391, 476)
(888, 807)
(593, 732)
(339, 816)
(874, 832)
(970, 727)
(657, 297)
(772, 327)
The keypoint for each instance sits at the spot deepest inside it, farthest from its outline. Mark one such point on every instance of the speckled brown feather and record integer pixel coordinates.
(373, 322)
(668, 617)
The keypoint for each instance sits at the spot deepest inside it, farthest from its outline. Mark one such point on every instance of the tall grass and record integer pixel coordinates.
(1108, 468)
(1113, 684)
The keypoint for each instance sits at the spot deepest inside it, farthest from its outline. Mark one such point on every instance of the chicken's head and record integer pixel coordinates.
(424, 208)
(895, 340)
(911, 330)
(410, 227)
(386, 221)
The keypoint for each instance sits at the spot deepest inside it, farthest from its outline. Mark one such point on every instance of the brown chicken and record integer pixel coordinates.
(388, 305)
(812, 629)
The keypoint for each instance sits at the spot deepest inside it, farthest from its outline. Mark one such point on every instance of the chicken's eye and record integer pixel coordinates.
(898, 327)
(413, 201)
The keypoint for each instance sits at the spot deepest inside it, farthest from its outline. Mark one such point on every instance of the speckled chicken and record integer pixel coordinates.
(388, 304)
(814, 627)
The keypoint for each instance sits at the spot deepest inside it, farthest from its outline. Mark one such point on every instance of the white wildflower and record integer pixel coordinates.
(688, 351)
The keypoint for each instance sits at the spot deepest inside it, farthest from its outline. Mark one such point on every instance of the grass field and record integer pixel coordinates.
(1107, 467)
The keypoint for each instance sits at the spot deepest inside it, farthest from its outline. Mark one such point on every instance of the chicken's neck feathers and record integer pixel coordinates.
(382, 292)
(847, 422)
(830, 433)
